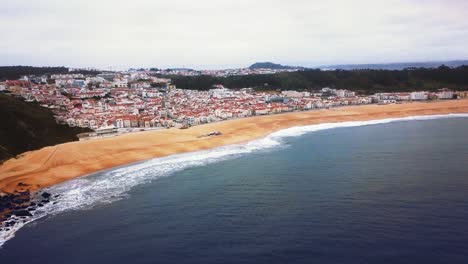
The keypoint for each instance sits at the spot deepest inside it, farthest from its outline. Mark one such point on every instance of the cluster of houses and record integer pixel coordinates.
(224, 72)
(134, 100)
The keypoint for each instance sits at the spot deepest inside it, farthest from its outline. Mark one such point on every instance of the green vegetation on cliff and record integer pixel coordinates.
(15, 72)
(28, 126)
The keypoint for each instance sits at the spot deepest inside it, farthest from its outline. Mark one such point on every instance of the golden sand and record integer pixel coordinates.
(52, 165)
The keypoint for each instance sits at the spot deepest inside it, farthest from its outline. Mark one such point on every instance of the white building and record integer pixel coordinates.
(294, 94)
(403, 97)
(119, 123)
(120, 82)
(445, 94)
(344, 93)
(221, 92)
(417, 96)
(71, 122)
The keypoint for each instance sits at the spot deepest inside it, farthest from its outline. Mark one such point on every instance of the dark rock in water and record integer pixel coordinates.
(22, 213)
(21, 197)
(32, 204)
(46, 195)
(55, 196)
(54, 202)
(31, 209)
(15, 202)
(40, 205)
(19, 207)
(45, 201)
(10, 223)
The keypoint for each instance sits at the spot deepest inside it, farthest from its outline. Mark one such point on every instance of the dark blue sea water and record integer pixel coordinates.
(386, 193)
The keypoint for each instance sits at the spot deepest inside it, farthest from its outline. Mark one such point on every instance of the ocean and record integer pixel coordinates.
(387, 191)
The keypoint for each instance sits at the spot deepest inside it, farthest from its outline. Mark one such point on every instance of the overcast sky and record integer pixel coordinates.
(228, 33)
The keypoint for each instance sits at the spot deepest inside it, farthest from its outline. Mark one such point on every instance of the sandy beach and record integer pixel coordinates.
(52, 165)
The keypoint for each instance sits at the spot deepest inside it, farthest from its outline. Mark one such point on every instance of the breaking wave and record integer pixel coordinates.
(114, 184)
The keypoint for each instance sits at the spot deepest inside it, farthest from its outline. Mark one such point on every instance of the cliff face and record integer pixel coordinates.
(28, 126)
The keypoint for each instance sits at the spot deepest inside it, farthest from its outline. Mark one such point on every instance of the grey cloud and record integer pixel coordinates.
(223, 33)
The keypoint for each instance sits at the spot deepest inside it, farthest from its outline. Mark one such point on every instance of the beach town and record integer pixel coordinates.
(126, 104)
(119, 102)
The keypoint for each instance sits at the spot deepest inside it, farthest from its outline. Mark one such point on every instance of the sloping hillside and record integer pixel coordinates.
(271, 65)
(28, 126)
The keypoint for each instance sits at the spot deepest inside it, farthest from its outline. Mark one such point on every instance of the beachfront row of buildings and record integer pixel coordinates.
(111, 103)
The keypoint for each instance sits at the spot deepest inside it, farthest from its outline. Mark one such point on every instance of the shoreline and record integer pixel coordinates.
(49, 166)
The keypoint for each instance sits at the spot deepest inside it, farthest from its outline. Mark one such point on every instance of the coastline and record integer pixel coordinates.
(49, 166)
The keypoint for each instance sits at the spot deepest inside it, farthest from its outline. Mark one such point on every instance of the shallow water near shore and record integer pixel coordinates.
(376, 189)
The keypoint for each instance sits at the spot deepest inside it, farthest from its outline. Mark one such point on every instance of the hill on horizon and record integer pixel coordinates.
(273, 66)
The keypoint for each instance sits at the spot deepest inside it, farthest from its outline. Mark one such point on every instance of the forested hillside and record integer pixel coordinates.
(364, 81)
(28, 126)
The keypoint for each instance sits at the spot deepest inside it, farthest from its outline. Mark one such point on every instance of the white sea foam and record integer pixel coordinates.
(114, 184)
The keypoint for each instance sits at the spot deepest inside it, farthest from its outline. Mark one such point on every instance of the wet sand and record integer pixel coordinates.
(52, 165)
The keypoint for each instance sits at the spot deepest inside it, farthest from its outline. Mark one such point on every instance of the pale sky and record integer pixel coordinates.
(207, 34)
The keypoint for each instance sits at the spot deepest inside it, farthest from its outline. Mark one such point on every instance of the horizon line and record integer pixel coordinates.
(122, 67)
